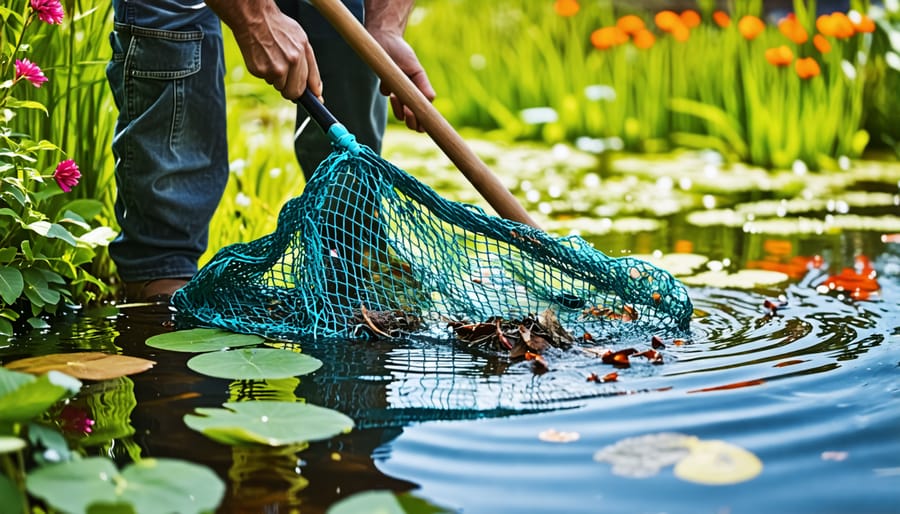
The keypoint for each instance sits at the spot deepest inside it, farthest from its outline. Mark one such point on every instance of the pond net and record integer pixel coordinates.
(367, 250)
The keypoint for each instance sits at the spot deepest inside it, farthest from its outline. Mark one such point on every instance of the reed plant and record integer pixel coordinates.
(756, 90)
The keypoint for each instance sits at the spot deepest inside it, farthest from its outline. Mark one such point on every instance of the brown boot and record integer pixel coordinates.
(160, 289)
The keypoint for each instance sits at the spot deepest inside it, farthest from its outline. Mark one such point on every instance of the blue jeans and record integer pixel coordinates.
(170, 144)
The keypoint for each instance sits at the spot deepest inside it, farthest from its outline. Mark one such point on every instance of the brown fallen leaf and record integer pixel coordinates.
(83, 365)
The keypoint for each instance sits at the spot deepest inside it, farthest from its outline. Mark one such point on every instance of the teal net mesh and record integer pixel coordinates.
(367, 241)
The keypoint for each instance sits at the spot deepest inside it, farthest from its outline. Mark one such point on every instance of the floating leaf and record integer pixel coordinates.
(678, 264)
(551, 435)
(718, 463)
(254, 363)
(149, 485)
(201, 340)
(24, 397)
(84, 365)
(9, 444)
(743, 279)
(380, 502)
(644, 456)
(835, 456)
(273, 423)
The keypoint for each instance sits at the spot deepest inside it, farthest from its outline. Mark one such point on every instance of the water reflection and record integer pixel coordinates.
(460, 426)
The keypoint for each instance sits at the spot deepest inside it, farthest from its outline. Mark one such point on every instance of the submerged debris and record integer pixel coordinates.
(531, 334)
(387, 324)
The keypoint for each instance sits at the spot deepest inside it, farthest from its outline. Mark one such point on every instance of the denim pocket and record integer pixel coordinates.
(161, 54)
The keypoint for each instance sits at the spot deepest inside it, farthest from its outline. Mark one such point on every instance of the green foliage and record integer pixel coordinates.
(201, 340)
(147, 486)
(48, 239)
(254, 363)
(273, 423)
(712, 89)
(384, 502)
(24, 397)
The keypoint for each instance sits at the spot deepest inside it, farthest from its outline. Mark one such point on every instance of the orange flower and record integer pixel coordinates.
(835, 24)
(807, 68)
(608, 37)
(779, 56)
(750, 26)
(690, 18)
(666, 20)
(821, 44)
(862, 23)
(722, 19)
(630, 24)
(793, 30)
(644, 39)
(680, 32)
(566, 8)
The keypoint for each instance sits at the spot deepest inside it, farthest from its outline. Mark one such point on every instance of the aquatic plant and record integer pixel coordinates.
(699, 77)
(47, 238)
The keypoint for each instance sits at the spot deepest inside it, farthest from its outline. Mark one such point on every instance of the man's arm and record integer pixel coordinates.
(274, 46)
(386, 21)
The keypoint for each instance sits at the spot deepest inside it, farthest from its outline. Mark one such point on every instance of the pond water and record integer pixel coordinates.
(810, 388)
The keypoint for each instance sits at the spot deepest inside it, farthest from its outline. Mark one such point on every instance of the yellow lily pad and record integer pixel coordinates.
(743, 279)
(83, 365)
(716, 462)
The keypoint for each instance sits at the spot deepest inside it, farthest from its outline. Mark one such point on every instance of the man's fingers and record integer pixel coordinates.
(313, 79)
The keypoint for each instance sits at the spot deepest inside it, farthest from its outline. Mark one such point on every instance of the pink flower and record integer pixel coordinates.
(74, 420)
(48, 11)
(67, 175)
(31, 71)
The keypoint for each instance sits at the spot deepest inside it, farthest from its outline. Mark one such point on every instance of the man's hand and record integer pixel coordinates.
(274, 46)
(386, 21)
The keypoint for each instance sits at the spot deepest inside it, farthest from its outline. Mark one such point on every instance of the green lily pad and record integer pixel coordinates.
(9, 444)
(382, 502)
(84, 365)
(24, 397)
(273, 423)
(743, 279)
(148, 486)
(201, 340)
(254, 363)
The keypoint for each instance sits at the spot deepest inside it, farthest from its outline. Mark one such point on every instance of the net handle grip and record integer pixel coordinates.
(329, 124)
(317, 111)
(439, 129)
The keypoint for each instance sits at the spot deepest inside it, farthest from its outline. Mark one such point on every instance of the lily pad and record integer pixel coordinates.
(9, 444)
(743, 279)
(201, 340)
(718, 463)
(24, 397)
(382, 502)
(254, 364)
(709, 462)
(644, 456)
(147, 486)
(678, 264)
(273, 423)
(84, 365)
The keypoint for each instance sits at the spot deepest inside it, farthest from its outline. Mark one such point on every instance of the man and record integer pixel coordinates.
(170, 147)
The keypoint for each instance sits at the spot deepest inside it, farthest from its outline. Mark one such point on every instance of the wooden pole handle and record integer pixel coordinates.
(443, 134)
